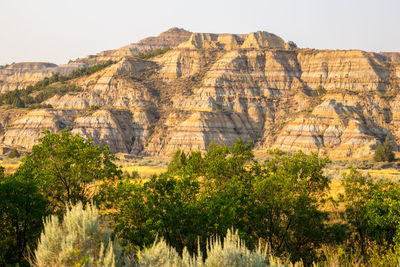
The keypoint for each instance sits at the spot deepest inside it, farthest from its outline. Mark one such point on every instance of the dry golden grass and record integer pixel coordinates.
(9, 165)
(144, 171)
(391, 174)
(145, 166)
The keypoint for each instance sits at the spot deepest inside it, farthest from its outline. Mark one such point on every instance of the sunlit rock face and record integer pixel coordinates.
(217, 88)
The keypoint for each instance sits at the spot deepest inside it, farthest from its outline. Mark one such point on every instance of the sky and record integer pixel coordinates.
(59, 30)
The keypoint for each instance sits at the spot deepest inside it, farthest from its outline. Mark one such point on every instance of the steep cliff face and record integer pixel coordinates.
(220, 87)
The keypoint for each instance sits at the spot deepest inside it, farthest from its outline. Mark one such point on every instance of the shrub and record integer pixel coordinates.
(94, 108)
(292, 44)
(320, 91)
(384, 152)
(14, 153)
(80, 239)
(232, 251)
(159, 254)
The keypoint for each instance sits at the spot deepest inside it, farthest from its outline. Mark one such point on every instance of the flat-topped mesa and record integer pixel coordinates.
(257, 40)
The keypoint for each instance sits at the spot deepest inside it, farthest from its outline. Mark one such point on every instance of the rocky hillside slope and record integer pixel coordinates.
(217, 87)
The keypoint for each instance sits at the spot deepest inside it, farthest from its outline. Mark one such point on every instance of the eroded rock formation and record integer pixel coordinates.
(219, 87)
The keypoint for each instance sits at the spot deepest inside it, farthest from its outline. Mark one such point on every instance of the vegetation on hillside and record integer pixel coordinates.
(292, 44)
(275, 207)
(4, 66)
(157, 52)
(48, 87)
(384, 152)
(320, 91)
(14, 153)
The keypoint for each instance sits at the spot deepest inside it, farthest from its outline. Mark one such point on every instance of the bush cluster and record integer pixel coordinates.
(229, 251)
(175, 218)
(206, 194)
(81, 239)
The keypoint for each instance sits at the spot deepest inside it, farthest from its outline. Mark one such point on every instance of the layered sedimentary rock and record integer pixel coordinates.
(112, 86)
(121, 130)
(170, 38)
(25, 130)
(20, 75)
(220, 87)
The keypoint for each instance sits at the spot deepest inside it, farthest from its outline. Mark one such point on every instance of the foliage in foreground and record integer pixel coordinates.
(231, 251)
(202, 195)
(22, 208)
(373, 215)
(81, 239)
(207, 194)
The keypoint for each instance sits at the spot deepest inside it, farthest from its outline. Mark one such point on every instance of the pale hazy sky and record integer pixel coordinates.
(59, 30)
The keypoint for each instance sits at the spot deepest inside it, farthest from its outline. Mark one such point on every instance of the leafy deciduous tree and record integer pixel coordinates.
(68, 169)
(21, 210)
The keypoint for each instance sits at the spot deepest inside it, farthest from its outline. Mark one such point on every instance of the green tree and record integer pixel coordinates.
(69, 169)
(22, 208)
(198, 196)
(372, 211)
(177, 162)
(2, 173)
(205, 194)
(384, 152)
(288, 191)
(164, 206)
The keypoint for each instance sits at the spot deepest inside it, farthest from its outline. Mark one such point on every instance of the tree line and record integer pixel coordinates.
(278, 203)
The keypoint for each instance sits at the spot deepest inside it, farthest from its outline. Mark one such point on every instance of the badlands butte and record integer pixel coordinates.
(216, 87)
